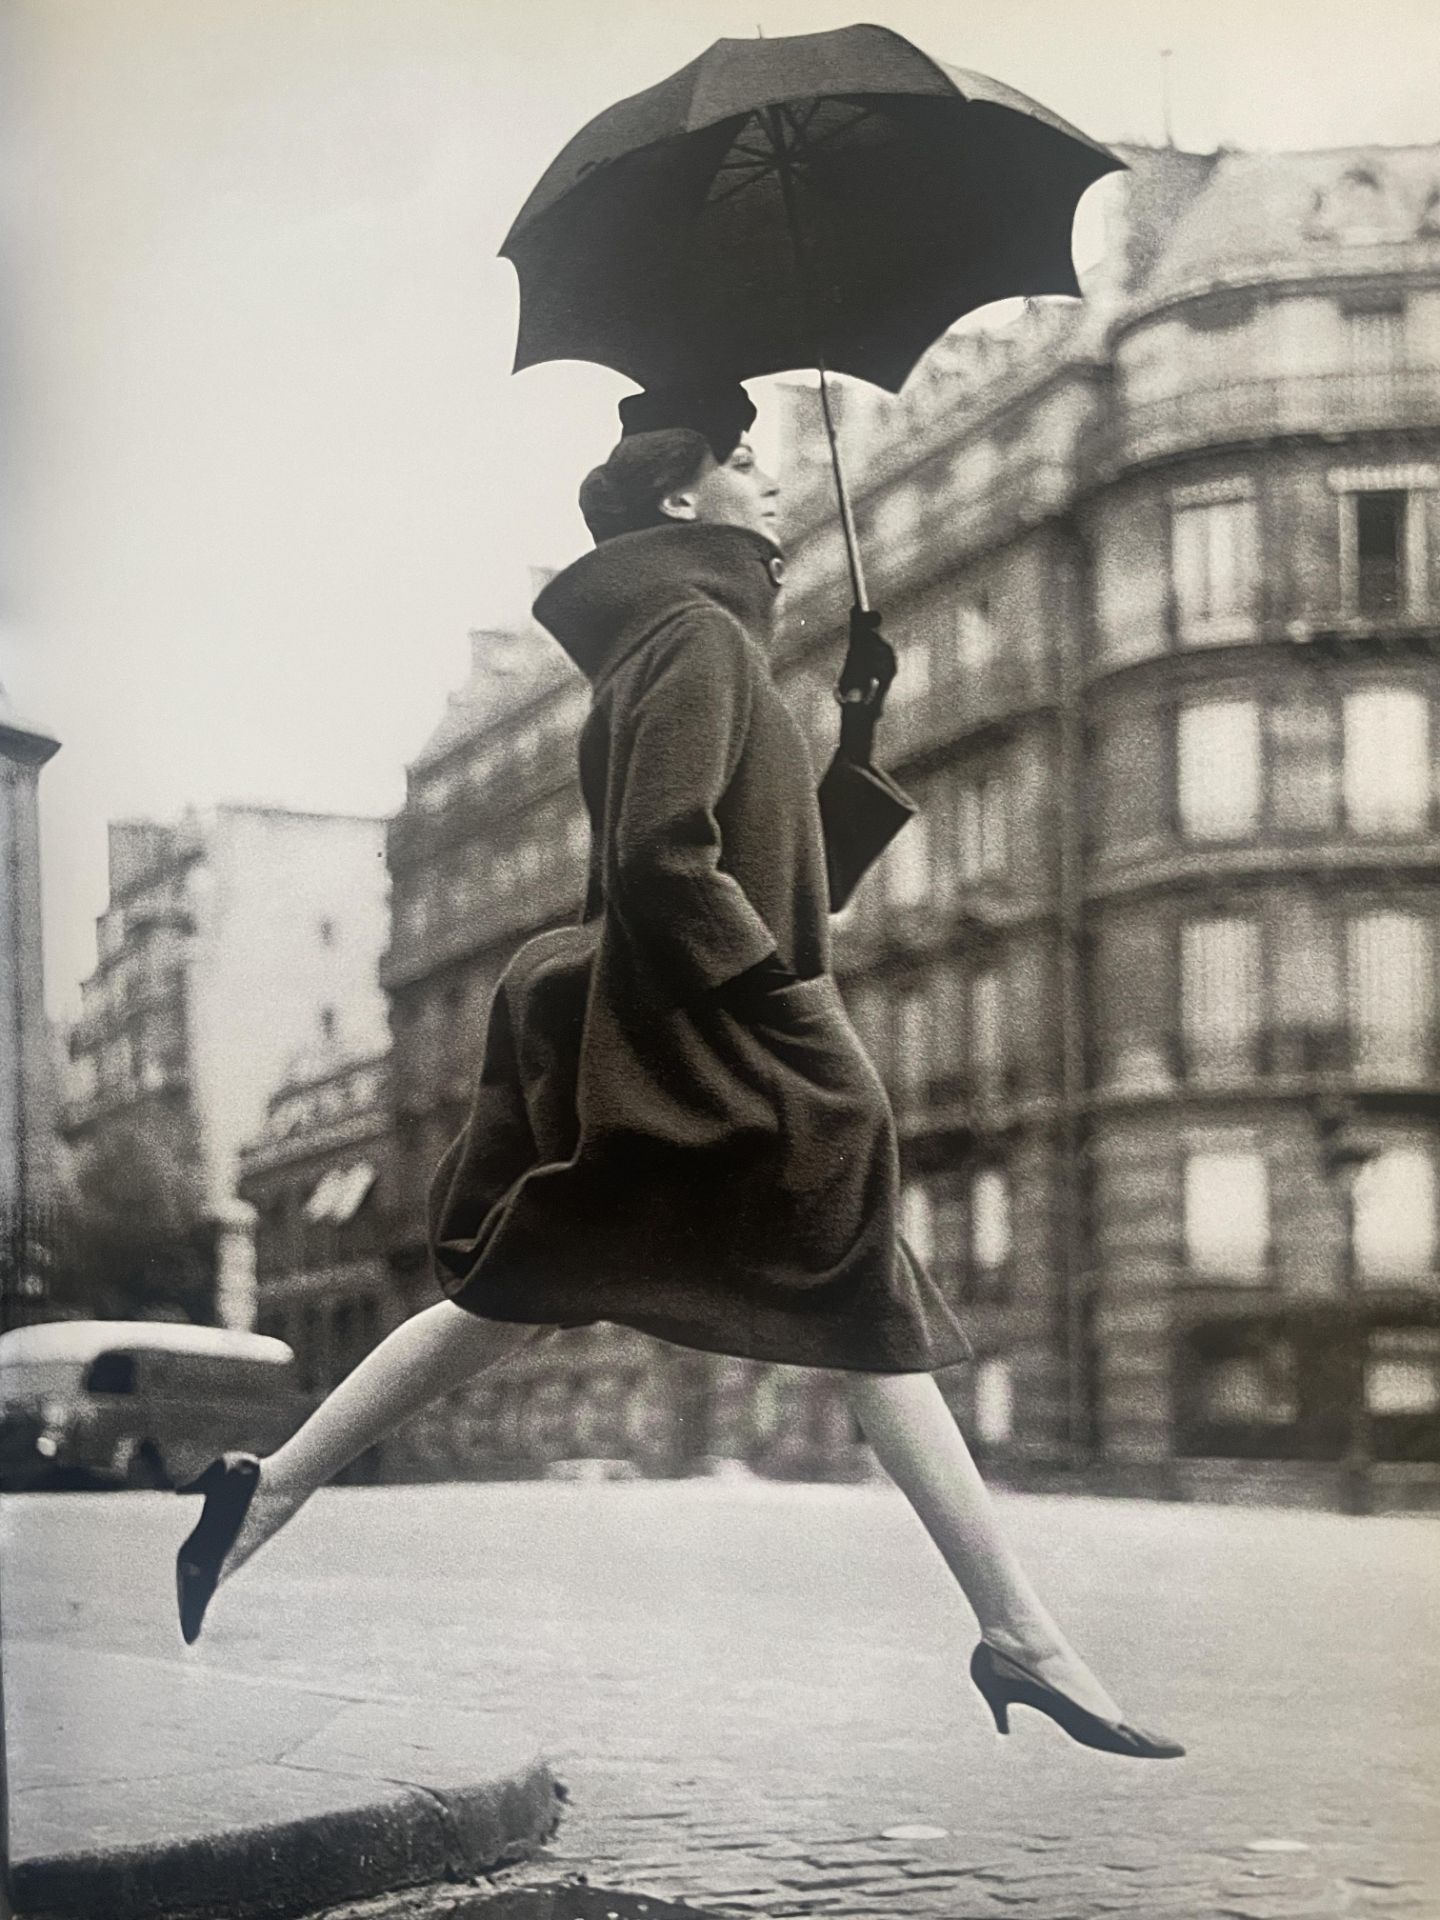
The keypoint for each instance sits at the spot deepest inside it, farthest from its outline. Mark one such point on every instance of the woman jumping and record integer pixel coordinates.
(675, 1127)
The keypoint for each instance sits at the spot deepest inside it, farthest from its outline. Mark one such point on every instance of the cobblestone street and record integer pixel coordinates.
(758, 1694)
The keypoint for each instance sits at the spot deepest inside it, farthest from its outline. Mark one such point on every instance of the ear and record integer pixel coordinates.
(679, 505)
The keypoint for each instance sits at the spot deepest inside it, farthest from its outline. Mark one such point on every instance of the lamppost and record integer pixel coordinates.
(1343, 1154)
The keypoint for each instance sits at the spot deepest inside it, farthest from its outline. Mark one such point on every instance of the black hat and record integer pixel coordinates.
(721, 412)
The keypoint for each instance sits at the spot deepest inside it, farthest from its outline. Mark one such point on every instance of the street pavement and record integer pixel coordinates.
(757, 1694)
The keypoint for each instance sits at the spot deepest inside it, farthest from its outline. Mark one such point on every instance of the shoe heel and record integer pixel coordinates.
(1001, 1711)
(208, 1481)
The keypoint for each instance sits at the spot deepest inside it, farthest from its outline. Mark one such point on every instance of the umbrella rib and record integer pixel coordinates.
(802, 146)
(757, 174)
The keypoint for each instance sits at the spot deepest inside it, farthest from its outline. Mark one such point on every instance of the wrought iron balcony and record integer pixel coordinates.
(1397, 1059)
(1250, 410)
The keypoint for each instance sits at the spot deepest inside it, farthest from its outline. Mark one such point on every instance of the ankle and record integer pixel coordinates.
(1028, 1646)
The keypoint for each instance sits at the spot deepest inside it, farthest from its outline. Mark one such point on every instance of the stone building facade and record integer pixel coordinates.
(230, 941)
(1163, 570)
(1165, 590)
(28, 1222)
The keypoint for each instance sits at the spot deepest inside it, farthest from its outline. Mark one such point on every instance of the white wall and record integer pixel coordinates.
(262, 973)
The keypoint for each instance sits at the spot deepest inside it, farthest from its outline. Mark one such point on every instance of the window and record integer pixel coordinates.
(1391, 967)
(907, 865)
(987, 1027)
(912, 681)
(917, 1221)
(1258, 1387)
(1227, 1214)
(990, 1220)
(1218, 769)
(984, 828)
(326, 932)
(1379, 552)
(1402, 1385)
(1395, 1216)
(327, 1022)
(994, 1402)
(1402, 1372)
(1220, 994)
(974, 639)
(1213, 555)
(1387, 760)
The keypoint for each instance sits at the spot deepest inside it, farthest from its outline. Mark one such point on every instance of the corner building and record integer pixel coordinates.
(230, 940)
(1164, 576)
(1161, 569)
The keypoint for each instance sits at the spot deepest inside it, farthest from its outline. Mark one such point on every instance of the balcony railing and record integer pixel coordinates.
(1394, 1058)
(1317, 403)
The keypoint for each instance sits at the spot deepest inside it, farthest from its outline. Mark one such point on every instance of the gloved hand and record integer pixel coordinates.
(870, 663)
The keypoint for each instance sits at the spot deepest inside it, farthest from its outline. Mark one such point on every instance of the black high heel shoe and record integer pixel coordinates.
(228, 1485)
(1005, 1684)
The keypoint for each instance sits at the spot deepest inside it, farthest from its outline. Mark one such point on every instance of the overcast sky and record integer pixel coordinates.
(266, 463)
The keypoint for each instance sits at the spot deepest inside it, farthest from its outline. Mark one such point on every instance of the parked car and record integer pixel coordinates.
(133, 1403)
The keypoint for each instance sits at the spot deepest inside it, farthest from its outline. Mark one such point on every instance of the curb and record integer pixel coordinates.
(410, 1836)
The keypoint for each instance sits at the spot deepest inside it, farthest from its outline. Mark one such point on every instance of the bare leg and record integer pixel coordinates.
(431, 1354)
(916, 1440)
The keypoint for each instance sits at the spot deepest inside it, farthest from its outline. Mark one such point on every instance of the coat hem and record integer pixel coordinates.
(700, 1339)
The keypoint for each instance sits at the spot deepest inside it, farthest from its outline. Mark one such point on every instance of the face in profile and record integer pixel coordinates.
(730, 493)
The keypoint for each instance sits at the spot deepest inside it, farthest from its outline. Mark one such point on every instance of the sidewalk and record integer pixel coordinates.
(757, 1694)
(144, 1785)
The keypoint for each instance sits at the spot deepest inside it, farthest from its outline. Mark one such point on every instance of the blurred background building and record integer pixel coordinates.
(1163, 571)
(1152, 978)
(28, 1225)
(320, 1179)
(1167, 595)
(230, 941)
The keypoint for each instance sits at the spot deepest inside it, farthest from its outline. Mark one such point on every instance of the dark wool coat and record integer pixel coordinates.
(643, 1147)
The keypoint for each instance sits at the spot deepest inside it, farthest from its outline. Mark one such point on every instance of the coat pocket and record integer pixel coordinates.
(797, 1003)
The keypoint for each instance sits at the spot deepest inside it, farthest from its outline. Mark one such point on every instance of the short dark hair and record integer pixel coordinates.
(624, 495)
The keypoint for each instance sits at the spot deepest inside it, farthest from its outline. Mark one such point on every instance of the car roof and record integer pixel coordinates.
(85, 1340)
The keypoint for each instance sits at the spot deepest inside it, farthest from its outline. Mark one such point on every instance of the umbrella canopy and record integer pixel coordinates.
(830, 199)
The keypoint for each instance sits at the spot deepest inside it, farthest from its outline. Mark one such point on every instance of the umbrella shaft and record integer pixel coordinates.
(842, 495)
(802, 280)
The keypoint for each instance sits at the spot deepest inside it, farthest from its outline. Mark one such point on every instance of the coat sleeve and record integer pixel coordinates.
(683, 734)
(861, 811)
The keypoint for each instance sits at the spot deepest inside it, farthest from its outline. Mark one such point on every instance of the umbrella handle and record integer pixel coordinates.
(776, 126)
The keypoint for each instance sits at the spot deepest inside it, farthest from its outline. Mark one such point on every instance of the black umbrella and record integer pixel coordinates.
(834, 200)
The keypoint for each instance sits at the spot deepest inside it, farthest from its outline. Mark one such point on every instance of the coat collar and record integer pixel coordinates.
(609, 601)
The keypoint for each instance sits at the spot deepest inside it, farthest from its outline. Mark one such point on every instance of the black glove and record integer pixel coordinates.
(870, 663)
